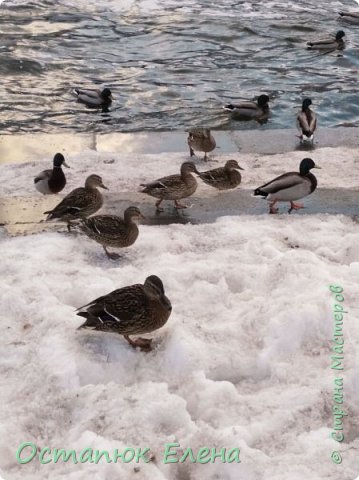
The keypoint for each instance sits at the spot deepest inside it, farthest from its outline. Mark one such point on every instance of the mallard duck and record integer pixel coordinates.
(223, 178)
(352, 17)
(306, 122)
(202, 140)
(112, 231)
(94, 98)
(290, 186)
(52, 181)
(131, 310)
(247, 109)
(173, 187)
(80, 203)
(329, 43)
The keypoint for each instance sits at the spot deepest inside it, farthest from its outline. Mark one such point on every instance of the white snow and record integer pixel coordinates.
(243, 361)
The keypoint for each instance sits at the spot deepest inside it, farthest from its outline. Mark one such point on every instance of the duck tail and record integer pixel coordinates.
(259, 193)
(91, 322)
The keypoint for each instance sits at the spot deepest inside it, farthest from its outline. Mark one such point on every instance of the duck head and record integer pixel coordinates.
(133, 212)
(154, 289)
(59, 160)
(106, 94)
(263, 100)
(306, 104)
(339, 35)
(233, 165)
(306, 165)
(188, 167)
(94, 181)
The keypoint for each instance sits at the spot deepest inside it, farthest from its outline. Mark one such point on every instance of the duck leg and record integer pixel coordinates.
(191, 151)
(158, 203)
(271, 207)
(205, 158)
(143, 343)
(112, 255)
(295, 206)
(179, 205)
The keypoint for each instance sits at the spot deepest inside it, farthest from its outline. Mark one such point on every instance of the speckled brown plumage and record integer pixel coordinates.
(113, 231)
(173, 187)
(202, 140)
(80, 203)
(223, 178)
(131, 310)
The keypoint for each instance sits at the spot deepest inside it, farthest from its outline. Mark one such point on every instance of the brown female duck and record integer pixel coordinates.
(173, 187)
(202, 140)
(80, 203)
(131, 310)
(113, 231)
(52, 181)
(223, 178)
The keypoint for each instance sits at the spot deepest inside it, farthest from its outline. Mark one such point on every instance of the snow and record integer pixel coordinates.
(243, 361)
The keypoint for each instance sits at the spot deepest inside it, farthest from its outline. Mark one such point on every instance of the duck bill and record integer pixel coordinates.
(240, 168)
(317, 166)
(142, 217)
(65, 165)
(103, 186)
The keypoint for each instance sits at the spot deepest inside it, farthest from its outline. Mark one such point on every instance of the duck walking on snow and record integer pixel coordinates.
(113, 231)
(202, 140)
(132, 310)
(248, 110)
(173, 187)
(52, 181)
(330, 43)
(223, 178)
(94, 98)
(80, 203)
(306, 122)
(290, 186)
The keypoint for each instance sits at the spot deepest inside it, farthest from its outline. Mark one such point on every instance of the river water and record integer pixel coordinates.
(171, 64)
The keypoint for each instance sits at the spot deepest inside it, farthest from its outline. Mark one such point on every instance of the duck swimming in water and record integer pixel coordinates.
(290, 187)
(330, 43)
(93, 98)
(248, 110)
(52, 181)
(351, 17)
(306, 122)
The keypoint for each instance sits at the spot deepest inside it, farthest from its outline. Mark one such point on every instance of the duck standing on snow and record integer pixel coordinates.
(80, 203)
(52, 181)
(132, 310)
(202, 140)
(223, 178)
(329, 43)
(94, 98)
(113, 231)
(306, 122)
(290, 186)
(352, 17)
(173, 187)
(248, 110)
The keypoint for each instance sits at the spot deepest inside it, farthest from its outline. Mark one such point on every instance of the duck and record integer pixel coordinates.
(132, 310)
(202, 140)
(173, 187)
(112, 231)
(80, 203)
(306, 122)
(94, 98)
(223, 178)
(352, 17)
(329, 43)
(248, 110)
(52, 181)
(290, 186)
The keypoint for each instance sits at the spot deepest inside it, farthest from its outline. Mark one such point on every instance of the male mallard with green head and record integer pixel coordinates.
(290, 186)
(173, 187)
(202, 140)
(80, 203)
(93, 98)
(306, 122)
(249, 110)
(132, 310)
(223, 178)
(113, 231)
(52, 181)
(329, 43)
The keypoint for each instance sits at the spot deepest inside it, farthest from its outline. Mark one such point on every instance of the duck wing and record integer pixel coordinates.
(90, 97)
(77, 200)
(283, 182)
(162, 184)
(44, 175)
(107, 225)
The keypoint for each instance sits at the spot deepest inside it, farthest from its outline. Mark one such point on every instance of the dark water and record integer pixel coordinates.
(171, 64)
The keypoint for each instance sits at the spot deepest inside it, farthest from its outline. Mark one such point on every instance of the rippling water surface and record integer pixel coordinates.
(171, 64)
